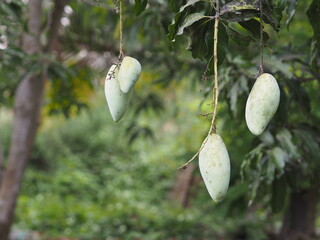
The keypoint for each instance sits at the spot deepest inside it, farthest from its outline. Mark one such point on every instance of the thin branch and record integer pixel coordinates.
(55, 24)
(1, 159)
(261, 41)
(215, 69)
(206, 114)
(215, 88)
(99, 4)
(121, 30)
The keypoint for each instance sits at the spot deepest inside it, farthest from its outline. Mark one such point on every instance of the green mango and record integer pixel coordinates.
(214, 164)
(129, 73)
(117, 100)
(262, 103)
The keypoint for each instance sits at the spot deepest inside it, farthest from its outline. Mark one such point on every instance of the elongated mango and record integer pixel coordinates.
(129, 73)
(214, 164)
(116, 99)
(262, 103)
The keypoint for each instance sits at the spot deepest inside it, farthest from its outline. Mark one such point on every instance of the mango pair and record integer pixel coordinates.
(119, 86)
(214, 162)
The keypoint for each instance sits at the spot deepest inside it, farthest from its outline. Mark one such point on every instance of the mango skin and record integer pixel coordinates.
(262, 103)
(214, 164)
(129, 73)
(117, 100)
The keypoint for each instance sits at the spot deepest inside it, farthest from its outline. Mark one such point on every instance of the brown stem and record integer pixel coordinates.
(55, 24)
(215, 88)
(261, 41)
(121, 30)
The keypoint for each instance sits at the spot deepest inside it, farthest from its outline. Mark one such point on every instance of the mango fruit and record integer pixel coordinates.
(116, 99)
(214, 164)
(262, 103)
(129, 73)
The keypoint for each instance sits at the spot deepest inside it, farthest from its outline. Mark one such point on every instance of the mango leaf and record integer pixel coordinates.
(308, 142)
(189, 20)
(237, 6)
(299, 94)
(174, 5)
(253, 26)
(291, 10)
(276, 65)
(279, 157)
(176, 21)
(313, 16)
(140, 6)
(223, 40)
(236, 11)
(239, 38)
(279, 193)
(285, 139)
(272, 15)
(197, 43)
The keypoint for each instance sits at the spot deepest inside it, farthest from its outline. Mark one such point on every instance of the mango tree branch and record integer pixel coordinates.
(215, 88)
(55, 24)
(121, 30)
(261, 41)
(1, 159)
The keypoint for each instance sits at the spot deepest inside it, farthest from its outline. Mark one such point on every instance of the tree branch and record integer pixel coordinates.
(1, 159)
(55, 24)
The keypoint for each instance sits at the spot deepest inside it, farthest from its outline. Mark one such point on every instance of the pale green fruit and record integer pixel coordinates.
(116, 99)
(262, 103)
(214, 164)
(129, 73)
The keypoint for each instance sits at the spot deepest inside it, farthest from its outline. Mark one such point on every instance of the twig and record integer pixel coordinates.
(215, 88)
(261, 41)
(206, 114)
(101, 5)
(121, 31)
(215, 69)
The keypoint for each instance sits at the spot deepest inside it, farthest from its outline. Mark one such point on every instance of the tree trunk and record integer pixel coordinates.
(27, 104)
(1, 159)
(181, 189)
(300, 218)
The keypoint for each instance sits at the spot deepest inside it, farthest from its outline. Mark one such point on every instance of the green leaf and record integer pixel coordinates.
(140, 6)
(189, 20)
(291, 10)
(279, 157)
(272, 15)
(314, 19)
(239, 38)
(177, 20)
(299, 94)
(197, 43)
(253, 26)
(236, 11)
(309, 144)
(237, 6)
(277, 65)
(279, 193)
(222, 48)
(285, 139)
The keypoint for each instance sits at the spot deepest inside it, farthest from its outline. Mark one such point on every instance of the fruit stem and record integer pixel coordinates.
(215, 88)
(261, 41)
(121, 31)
